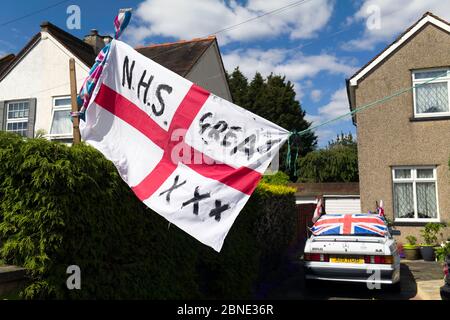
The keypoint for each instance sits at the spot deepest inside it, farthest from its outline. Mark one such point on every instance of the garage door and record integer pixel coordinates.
(342, 205)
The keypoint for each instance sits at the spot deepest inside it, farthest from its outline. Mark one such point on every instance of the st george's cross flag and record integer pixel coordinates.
(189, 155)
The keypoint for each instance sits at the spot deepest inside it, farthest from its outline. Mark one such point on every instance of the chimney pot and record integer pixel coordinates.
(94, 32)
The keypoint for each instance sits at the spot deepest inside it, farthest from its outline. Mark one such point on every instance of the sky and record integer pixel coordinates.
(316, 44)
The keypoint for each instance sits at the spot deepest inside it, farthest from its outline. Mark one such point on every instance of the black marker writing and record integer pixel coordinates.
(196, 199)
(173, 187)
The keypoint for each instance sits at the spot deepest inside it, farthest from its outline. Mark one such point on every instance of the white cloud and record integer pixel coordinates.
(316, 95)
(295, 66)
(395, 17)
(337, 106)
(189, 19)
(325, 135)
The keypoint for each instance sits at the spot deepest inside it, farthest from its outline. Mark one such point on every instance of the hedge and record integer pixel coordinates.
(62, 206)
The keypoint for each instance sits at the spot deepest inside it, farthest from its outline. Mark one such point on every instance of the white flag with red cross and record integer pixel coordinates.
(189, 155)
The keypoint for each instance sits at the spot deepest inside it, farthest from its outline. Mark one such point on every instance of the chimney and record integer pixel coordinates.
(97, 41)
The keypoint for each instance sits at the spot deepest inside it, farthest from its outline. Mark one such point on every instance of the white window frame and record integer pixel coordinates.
(413, 179)
(16, 120)
(58, 108)
(427, 80)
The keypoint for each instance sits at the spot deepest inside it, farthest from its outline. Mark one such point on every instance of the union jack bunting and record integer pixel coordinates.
(349, 224)
(121, 21)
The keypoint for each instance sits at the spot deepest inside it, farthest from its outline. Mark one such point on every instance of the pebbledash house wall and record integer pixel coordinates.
(42, 74)
(386, 135)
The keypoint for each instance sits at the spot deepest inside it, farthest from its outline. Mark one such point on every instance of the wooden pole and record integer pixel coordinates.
(73, 97)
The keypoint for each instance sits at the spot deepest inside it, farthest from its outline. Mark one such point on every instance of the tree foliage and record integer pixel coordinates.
(337, 163)
(274, 99)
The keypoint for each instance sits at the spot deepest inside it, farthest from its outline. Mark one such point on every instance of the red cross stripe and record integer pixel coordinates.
(185, 114)
(348, 220)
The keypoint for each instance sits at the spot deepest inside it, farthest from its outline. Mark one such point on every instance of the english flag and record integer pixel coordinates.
(380, 209)
(189, 155)
(318, 210)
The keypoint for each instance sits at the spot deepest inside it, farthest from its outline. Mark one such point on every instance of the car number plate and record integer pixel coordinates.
(347, 259)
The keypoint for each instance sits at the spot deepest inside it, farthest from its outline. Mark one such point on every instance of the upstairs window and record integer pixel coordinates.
(61, 127)
(431, 93)
(17, 117)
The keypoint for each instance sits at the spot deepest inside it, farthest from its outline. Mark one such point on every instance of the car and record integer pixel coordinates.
(445, 289)
(353, 248)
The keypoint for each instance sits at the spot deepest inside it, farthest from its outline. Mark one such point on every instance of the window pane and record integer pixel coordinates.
(432, 97)
(430, 74)
(425, 173)
(61, 123)
(426, 200)
(18, 127)
(403, 200)
(402, 173)
(18, 110)
(62, 102)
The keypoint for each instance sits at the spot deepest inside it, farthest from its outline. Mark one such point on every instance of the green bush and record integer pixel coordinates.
(337, 164)
(62, 206)
(430, 233)
(442, 252)
(412, 240)
(278, 178)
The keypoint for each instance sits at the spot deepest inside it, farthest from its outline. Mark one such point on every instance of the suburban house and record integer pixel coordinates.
(404, 143)
(35, 88)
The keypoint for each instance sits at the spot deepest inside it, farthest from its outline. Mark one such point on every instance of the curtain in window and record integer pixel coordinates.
(426, 200)
(61, 122)
(403, 200)
(432, 97)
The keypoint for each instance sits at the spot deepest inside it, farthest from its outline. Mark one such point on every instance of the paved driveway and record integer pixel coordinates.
(291, 286)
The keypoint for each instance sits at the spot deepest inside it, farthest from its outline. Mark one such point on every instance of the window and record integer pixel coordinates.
(415, 194)
(61, 126)
(17, 117)
(431, 96)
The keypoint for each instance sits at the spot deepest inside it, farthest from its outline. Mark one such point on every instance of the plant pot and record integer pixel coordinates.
(427, 253)
(412, 253)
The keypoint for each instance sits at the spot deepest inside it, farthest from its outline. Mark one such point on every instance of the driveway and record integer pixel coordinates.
(292, 287)
(417, 279)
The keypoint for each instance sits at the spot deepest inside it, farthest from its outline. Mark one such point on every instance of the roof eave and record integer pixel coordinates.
(427, 18)
(351, 99)
(30, 44)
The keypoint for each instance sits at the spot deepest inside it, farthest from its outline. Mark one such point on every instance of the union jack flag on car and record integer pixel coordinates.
(350, 224)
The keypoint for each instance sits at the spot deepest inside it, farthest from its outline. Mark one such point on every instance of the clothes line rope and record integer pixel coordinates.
(366, 106)
(352, 112)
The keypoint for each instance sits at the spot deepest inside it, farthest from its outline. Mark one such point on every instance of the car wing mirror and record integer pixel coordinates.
(395, 232)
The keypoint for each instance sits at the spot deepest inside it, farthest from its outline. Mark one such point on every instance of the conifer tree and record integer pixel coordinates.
(274, 99)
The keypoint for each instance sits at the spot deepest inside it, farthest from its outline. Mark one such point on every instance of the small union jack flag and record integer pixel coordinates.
(349, 224)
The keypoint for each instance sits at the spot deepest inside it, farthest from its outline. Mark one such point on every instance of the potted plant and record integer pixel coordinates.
(442, 251)
(411, 250)
(429, 234)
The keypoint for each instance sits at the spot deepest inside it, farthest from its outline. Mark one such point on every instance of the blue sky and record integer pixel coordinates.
(317, 44)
